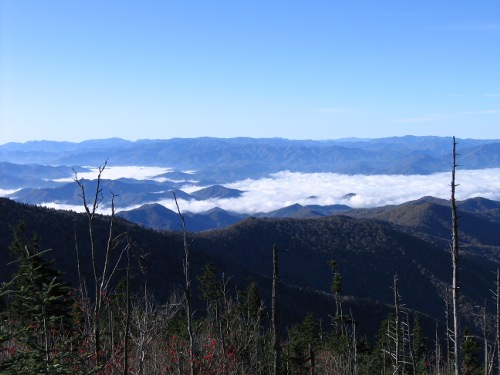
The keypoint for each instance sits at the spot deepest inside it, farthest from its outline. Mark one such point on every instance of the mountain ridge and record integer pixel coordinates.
(225, 159)
(369, 253)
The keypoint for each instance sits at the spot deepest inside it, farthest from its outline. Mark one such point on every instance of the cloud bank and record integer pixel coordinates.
(286, 188)
(358, 191)
(113, 173)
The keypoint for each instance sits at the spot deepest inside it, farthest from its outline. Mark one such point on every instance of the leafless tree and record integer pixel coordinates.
(102, 273)
(274, 313)
(187, 287)
(456, 270)
(497, 320)
(394, 333)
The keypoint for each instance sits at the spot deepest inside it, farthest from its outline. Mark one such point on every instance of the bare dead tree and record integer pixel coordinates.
(495, 353)
(148, 322)
(187, 287)
(497, 328)
(456, 270)
(104, 274)
(449, 332)
(127, 320)
(397, 325)
(488, 350)
(274, 313)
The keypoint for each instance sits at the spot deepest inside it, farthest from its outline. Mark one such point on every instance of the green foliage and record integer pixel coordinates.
(250, 302)
(37, 336)
(380, 360)
(37, 286)
(336, 286)
(470, 354)
(304, 340)
(419, 345)
(209, 286)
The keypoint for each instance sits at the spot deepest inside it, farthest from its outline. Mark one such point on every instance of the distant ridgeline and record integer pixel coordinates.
(223, 160)
(42, 172)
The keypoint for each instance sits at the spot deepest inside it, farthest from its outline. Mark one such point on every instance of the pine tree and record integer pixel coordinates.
(38, 304)
(304, 342)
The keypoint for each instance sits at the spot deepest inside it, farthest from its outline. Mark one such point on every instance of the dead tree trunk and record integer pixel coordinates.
(127, 321)
(274, 314)
(187, 289)
(103, 274)
(448, 329)
(497, 333)
(456, 269)
(397, 324)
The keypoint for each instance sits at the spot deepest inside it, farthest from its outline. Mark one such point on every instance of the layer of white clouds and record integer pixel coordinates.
(114, 173)
(286, 188)
(4, 192)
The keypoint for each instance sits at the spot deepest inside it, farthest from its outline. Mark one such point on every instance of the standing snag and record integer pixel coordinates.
(455, 288)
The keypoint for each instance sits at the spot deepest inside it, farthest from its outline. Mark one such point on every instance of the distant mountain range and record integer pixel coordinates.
(224, 160)
(41, 172)
(157, 217)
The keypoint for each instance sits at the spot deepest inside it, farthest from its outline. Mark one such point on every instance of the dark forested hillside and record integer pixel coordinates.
(429, 218)
(369, 253)
(336, 280)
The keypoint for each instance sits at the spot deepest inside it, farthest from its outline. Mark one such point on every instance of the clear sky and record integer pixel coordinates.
(300, 69)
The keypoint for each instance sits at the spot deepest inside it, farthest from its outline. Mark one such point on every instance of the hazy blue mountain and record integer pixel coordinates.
(127, 194)
(158, 217)
(294, 211)
(154, 216)
(213, 162)
(329, 209)
(222, 160)
(179, 194)
(216, 191)
(15, 176)
(212, 219)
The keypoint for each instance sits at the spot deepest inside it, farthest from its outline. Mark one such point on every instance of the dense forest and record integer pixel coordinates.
(366, 294)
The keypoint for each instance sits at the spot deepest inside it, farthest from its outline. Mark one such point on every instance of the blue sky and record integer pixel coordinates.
(300, 69)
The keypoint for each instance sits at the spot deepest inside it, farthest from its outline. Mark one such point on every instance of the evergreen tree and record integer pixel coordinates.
(37, 284)
(37, 337)
(304, 340)
(470, 354)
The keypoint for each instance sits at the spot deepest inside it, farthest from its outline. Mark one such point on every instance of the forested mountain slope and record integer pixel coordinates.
(429, 219)
(369, 253)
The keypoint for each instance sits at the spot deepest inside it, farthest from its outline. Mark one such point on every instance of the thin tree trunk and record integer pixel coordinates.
(47, 341)
(448, 329)
(456, 269)
(497, 336)
(312, 360)
(438, 351)
(90, 215)
(274, 313)
(127, 320)
(187, 289)
(397, 325)
(102, 279)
